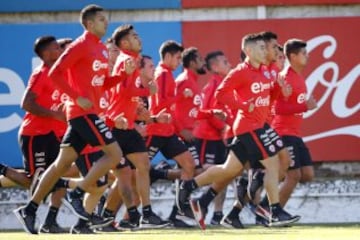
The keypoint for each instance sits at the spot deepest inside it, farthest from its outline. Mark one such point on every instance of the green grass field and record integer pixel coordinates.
(301, 232)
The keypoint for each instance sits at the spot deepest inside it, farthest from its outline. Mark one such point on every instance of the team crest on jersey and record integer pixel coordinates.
(105, 54)
(108, 135)
(267, 74)
(197, 100)
(272, 148)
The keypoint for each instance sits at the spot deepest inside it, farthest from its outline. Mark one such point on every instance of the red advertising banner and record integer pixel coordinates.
(332, 131)
(237, 3)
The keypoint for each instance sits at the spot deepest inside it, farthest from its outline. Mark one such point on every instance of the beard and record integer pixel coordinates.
(201, 71)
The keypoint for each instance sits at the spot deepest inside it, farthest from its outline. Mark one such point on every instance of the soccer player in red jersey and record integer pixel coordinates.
(85, 63)
(247, 87)
(38, 138)
(288, 118)
(209, 132)
(124, 102)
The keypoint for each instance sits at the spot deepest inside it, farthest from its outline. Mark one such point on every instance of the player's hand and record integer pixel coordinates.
(130, 66)
(153, 88)
(311, 103)
(286, 90)
(219, 114)
(59, 115)
(163, 116)
(84, 103)
(187, 135)
(188, 92)
(121, 122)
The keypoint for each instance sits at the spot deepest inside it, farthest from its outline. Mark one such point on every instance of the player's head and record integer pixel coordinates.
(93, 19)
(47, 48)
(271, 44)
(192, 59)
(217, 62)
(147, 69)
(113, 52)
(295, 51)
(280, 60)
(254, 47)
(170, 53)
(64, 43)
(126, 38)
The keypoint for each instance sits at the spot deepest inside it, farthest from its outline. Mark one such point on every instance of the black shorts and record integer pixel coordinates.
(257, 145)
(86, 161)
(300, 155)
(170, 147)
(87, 129)
(38, 151)
(211, 151)
(130, 141)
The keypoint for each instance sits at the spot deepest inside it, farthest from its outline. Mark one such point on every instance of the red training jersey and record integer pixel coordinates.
(164, 98)
(125, 95)
(288, 111)
(85, 63)
(46, 97)
(210, 128)
(242, 86)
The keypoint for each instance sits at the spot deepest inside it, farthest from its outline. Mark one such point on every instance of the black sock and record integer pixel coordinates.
(234, 213)
(51, 216)
(218, 214)
(207, 197)
(156, 174)
(108, 213)
(62, 183)
(77, 193)
(3, 169)
(264, 202)
(173, 212)
(31, 208)
(189, 185)
(147, 211)
(274, 208)
(133, 214)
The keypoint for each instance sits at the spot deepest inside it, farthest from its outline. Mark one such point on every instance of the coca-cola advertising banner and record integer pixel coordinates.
(233, 3)
(332, 131)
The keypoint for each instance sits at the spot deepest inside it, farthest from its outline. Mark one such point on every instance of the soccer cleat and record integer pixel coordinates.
(282, 218)
(76, 206)
(96, 221)
(35, 180)
(178, 220)
(53, 228)
(199, 213)
(81, 229)
(112, 227)
(261, 221)
(231, 222)
(216, 219)
(27, 220)
(256, 181)
(152, 221)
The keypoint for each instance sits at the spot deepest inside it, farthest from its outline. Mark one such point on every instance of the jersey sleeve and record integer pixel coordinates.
(72, 55)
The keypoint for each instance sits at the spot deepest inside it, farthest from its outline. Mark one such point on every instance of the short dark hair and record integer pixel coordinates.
(89, 12)
(188, 55)
(41, 43)
(64, 41)
(171, 47)
(251, 38)
(293, 46)
(267, 36)
(242, 55)
(210, 57)
(281, 48)
(121, 32)
(142, 60)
